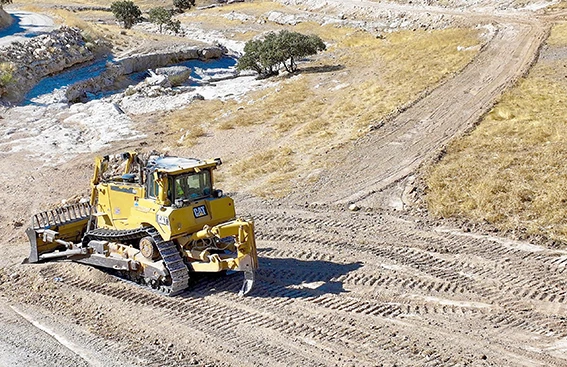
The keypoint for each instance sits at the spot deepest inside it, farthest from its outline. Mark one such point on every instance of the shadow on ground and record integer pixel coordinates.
(319, 69)
(280, 278)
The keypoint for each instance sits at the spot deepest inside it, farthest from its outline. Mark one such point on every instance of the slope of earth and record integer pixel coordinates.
(285, 131)
(397, 149)
(335, 288)
(5, 19)
(521, 186)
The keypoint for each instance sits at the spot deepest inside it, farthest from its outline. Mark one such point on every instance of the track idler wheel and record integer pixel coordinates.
(148, 248)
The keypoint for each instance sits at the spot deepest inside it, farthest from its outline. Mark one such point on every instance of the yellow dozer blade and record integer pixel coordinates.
(54, 233)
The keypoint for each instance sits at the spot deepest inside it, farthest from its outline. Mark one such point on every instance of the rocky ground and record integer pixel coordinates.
(376, 286)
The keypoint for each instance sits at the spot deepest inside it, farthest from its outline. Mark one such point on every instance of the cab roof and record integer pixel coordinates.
(178, 164)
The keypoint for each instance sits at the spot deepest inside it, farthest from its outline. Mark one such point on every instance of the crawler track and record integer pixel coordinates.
(178, 279)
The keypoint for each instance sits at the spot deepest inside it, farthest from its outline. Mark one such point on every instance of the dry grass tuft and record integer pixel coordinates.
(253, 8)
(191, 135)
(268, 173)
(143, 4)
(511, 170)
(558, 35)
(90, 30)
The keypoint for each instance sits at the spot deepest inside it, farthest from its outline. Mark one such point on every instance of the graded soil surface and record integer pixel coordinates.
(373, 287)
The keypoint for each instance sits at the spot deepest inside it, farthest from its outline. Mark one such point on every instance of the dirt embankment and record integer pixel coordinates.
(395, 151)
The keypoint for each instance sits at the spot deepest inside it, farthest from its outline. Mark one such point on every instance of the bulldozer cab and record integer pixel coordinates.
(190, 186)
(176, 182)
(181, 188)
(172, 194)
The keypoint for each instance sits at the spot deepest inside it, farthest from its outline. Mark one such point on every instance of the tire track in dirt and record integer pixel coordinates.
(512, 282)
(439, 254)
(393, 152)
(214, 316)
(519, 284)
(350, 327)
(345, 290)
(39, 346)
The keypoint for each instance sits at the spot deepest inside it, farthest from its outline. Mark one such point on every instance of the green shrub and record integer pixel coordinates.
(126, 12)
(265, 56)
(6, 76)
(182, 5)
(160, 16)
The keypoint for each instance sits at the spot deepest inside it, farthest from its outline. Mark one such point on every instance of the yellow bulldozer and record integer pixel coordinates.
(154, 221)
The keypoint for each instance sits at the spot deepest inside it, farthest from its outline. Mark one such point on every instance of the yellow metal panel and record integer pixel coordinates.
(116, 200)
(185, 221)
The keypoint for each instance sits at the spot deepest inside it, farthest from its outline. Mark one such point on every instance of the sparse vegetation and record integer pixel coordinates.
(191, 134)
(6, 76)
(511, 170)
(273, 167)
(126, 12)
(182, 5)
(161, 17)
(294, 45)
(276, 49)
(357, 82)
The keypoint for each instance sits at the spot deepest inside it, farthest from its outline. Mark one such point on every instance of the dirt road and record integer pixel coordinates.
(396, 150)
(335, 288)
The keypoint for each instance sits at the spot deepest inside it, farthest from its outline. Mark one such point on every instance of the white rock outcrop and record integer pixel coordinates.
(41, 56)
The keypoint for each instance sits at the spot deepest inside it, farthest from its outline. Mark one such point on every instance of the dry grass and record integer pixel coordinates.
(511, 170)
(268, 171)
(94, 31)
(143, 4)
(252, 8)
(191, 134)
(558, 35)
(266, 162)
(71, 19)
(561, 5)
(356, 82)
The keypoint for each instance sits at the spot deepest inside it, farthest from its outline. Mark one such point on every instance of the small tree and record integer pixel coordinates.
(262, 56)
(265, 56)
(160, 16)
(293, 46)
(182, 5)
(126, 12)
(173, 25)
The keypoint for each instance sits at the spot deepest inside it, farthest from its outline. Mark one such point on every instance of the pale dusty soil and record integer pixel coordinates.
(335, 288)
